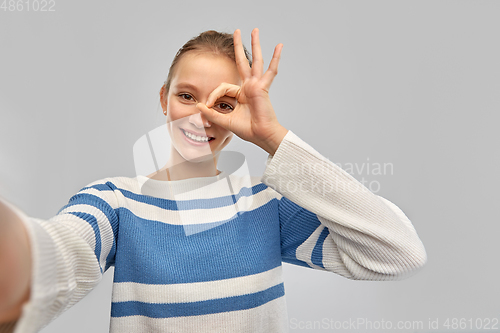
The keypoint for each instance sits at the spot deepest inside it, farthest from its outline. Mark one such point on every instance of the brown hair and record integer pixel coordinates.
(219, 43)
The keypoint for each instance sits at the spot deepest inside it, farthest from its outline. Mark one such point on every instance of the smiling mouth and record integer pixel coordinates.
(197, 138)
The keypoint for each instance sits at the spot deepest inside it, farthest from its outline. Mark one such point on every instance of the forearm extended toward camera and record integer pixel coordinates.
(15, 264)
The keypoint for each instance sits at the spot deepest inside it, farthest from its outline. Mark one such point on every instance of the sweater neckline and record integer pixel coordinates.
(207, 179)
(230, 163)
(176, 189)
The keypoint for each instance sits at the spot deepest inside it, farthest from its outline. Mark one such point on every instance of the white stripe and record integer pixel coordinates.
(100, 194)
(198, 291)
(269, 317)
(331, 258)
(104, 225)
(195, 216)
(135, 186)
(74, 223)
(305, 250)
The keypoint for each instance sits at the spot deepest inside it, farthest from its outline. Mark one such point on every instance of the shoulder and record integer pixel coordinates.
(114, 183)
(109, 189)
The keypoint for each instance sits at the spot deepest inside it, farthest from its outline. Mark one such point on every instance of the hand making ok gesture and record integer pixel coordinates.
(253, 119)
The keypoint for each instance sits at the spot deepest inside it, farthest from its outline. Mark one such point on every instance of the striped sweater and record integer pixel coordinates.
(189, 256)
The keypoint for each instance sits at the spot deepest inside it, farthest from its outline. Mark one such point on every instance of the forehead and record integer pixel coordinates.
(205, 71)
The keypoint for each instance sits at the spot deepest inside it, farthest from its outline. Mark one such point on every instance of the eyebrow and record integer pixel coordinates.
(187, 85)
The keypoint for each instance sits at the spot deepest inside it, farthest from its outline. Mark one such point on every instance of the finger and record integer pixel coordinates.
(224, 89)
(257, 61)
(214, 116)
(272, 71)
(241, 60)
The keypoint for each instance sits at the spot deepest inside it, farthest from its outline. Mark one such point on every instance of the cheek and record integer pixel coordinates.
(176, 118)
(223, 133)
(174, 112)
(227, 135)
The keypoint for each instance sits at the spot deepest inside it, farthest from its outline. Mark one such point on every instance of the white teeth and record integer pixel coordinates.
(196, 137)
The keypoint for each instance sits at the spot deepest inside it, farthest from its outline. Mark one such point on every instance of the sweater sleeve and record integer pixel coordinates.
(70, 252)
(330, 221)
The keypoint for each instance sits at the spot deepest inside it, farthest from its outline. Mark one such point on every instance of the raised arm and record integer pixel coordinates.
(330, 221)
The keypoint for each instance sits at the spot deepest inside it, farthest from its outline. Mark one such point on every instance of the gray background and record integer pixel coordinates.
(411, 83)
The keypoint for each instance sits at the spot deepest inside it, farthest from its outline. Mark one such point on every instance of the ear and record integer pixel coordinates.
(163, 99)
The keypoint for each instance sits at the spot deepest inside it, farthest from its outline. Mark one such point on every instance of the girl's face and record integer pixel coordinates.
(194, 138)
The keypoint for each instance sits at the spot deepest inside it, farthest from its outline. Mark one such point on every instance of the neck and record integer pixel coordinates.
(177, 168)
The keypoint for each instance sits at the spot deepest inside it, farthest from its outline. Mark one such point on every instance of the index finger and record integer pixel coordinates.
(224, 89)
(241, 61)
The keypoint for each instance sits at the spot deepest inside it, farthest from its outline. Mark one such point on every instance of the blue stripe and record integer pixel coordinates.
(105, 208)
(222, 201)
(160, 253)
(93, 223)
(297, 224)
(168, 310)
(100, 187)
(317, 253)
(191, 229)
(93, 200)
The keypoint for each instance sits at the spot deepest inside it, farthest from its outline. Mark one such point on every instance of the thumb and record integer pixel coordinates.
(214, 116)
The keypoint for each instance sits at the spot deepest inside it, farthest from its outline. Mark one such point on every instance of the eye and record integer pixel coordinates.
(186, 97)
(225, 107)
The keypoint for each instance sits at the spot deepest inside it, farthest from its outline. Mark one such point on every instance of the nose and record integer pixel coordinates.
(199, 120)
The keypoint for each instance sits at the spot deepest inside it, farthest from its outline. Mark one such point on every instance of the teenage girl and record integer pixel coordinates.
(195, 248)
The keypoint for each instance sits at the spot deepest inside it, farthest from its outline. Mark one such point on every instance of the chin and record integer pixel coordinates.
(196, 158)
